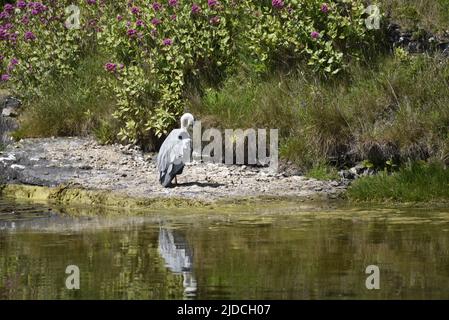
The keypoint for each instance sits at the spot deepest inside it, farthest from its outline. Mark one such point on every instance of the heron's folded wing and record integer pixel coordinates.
(172, 153)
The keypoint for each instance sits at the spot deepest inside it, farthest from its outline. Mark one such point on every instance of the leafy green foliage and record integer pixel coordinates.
(154, 52)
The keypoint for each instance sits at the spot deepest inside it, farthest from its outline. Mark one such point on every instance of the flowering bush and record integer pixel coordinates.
(314, 30)
(153, 48)
(159, 45)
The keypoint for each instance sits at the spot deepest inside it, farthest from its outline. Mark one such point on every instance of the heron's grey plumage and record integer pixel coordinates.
(178, 256)
(175, 152)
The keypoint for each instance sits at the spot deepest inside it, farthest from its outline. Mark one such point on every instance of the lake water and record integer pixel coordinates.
(282, 250)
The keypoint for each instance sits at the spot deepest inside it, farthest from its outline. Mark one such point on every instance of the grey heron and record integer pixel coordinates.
(178, 257)
(175, 152)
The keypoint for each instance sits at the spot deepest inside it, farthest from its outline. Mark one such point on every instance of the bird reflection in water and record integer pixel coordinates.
(178, 256)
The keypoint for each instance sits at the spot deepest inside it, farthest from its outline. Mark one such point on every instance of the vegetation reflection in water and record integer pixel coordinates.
(240, 253)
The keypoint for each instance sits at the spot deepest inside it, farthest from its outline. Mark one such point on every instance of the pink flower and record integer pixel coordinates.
(13, 36)
(21, 4)
(131, 32)
(5, 77)
(215, 20)
(9, 8)
(12, 64)
(29, 36)
(156, 6)
(173, 3)
(195, 8)
(315, 34)
(110, 67)
(156, 21)
(324, 8)
(212, 3)
(4, 15)
(167, 42)
(25, 20)
(278, 4)
(135, 10)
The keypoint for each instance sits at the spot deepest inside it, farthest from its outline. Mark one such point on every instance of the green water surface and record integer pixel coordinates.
(281, 250)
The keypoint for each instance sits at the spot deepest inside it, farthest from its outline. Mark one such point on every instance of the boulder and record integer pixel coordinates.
(10, 106)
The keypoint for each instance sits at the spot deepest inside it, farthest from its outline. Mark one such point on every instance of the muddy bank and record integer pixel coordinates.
(81, 170)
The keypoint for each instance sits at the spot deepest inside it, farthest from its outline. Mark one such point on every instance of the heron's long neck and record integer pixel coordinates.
(184, 125)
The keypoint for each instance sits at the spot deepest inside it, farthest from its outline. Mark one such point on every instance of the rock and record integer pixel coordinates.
(346, 174)
(417, 42)
(17, 167)
(9, 112)
(10, 157)
(357, 170)
(368, 172)
(10, 107)
(444, 47)
(7, 125)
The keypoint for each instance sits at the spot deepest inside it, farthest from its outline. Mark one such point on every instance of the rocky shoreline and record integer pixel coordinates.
(125, 171)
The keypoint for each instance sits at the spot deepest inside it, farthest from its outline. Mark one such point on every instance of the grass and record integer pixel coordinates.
(75, 106)
(417, 182)
(418, 14)
(392, 111)
(323, 172)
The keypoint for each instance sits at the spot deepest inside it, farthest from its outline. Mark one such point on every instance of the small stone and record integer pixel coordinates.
(17, 167)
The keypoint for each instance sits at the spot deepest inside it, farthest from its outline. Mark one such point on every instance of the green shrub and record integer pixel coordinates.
(69, 108)
(154, 52)
(416, 182)
(36, 47)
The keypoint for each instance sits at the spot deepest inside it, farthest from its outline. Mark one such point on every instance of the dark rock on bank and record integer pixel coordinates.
(418, 41)
(9, 110)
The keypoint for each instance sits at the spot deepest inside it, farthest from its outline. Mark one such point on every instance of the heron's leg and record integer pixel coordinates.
(176, 180)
